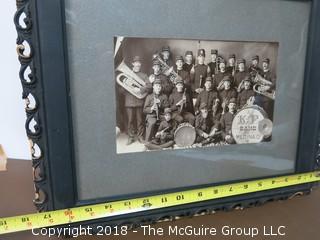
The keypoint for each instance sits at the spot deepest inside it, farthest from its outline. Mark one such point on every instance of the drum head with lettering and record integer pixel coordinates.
(250, 125)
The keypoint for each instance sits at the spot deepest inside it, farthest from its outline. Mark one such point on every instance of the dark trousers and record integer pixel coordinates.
(135, 115)
(151, 125)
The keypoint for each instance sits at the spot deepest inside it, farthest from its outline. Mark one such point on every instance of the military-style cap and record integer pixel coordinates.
(179, 80)
(179, 57)
(226, 78)
(247, 79)
(266, 60)
(201, 52)
(232, 56)
(221, 60)
(156, 62)
(203, 105)
(241, 60)
(188, 53)
(166, 48)
(214, 51)
(256, 57)
(167, 110)
(136, 59)
(209, 79)
(232, 100)
(157, 81)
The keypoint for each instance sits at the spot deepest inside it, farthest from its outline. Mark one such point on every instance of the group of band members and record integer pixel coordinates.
(207, 96)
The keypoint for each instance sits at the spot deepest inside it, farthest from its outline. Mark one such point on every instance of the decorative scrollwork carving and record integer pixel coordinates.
(31, 94)
(318, 153)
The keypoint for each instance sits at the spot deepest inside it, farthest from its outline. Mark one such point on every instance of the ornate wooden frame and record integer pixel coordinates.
(51, 136)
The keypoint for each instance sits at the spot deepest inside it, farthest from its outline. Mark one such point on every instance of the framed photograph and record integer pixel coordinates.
(129, 99)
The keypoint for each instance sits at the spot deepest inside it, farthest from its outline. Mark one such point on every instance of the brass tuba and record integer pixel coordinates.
(130, 80)
(259, 81)
(166, 70)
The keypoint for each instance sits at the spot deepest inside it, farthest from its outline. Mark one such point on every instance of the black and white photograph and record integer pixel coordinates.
(180, 93)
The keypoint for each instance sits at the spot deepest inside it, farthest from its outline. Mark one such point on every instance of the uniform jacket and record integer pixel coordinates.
(207, 97)
(226, 95)
(243, 97)
(253, 70)
(219, 76)
(166, 84)
(230, 69)
(239, 76)
(270, 76)
(185, 76)
(187, 67)
(212, 66)
(199, 70)
(149, 103)
(175, 97)
(202, 125)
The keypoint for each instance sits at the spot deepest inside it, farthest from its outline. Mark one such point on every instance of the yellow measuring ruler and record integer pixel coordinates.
(103, 210)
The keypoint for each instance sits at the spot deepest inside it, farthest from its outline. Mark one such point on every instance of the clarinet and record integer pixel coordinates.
(183, 97)
(155, 102)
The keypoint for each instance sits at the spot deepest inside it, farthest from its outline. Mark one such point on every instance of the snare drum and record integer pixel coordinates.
(185, 135)
(251, 125)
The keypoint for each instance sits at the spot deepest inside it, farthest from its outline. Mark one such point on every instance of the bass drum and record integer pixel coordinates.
(251, 125)
(185, 135)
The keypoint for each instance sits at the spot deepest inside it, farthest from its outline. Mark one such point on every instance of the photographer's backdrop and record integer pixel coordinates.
(12, 115)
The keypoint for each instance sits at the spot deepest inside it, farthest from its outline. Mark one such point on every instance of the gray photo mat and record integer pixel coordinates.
(91, 28)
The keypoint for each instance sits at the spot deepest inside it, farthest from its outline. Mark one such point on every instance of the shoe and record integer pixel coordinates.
(130, 141)
(141, 140)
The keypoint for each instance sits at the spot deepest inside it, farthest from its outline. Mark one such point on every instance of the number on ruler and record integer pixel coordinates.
(88, 209)
(47, 216)
(25, 219)
(180, 197)
(68, 212)
(3, 223)
(164, 200)
(109, 206)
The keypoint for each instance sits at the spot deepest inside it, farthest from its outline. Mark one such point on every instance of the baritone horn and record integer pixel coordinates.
(260, 83)
(130, 80)
(166, 70)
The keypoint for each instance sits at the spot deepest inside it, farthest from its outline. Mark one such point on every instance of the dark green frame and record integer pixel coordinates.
(55, 181)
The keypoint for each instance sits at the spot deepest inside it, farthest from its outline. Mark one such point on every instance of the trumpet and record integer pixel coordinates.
(259, 85)
(166, 70)
(129, 80)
